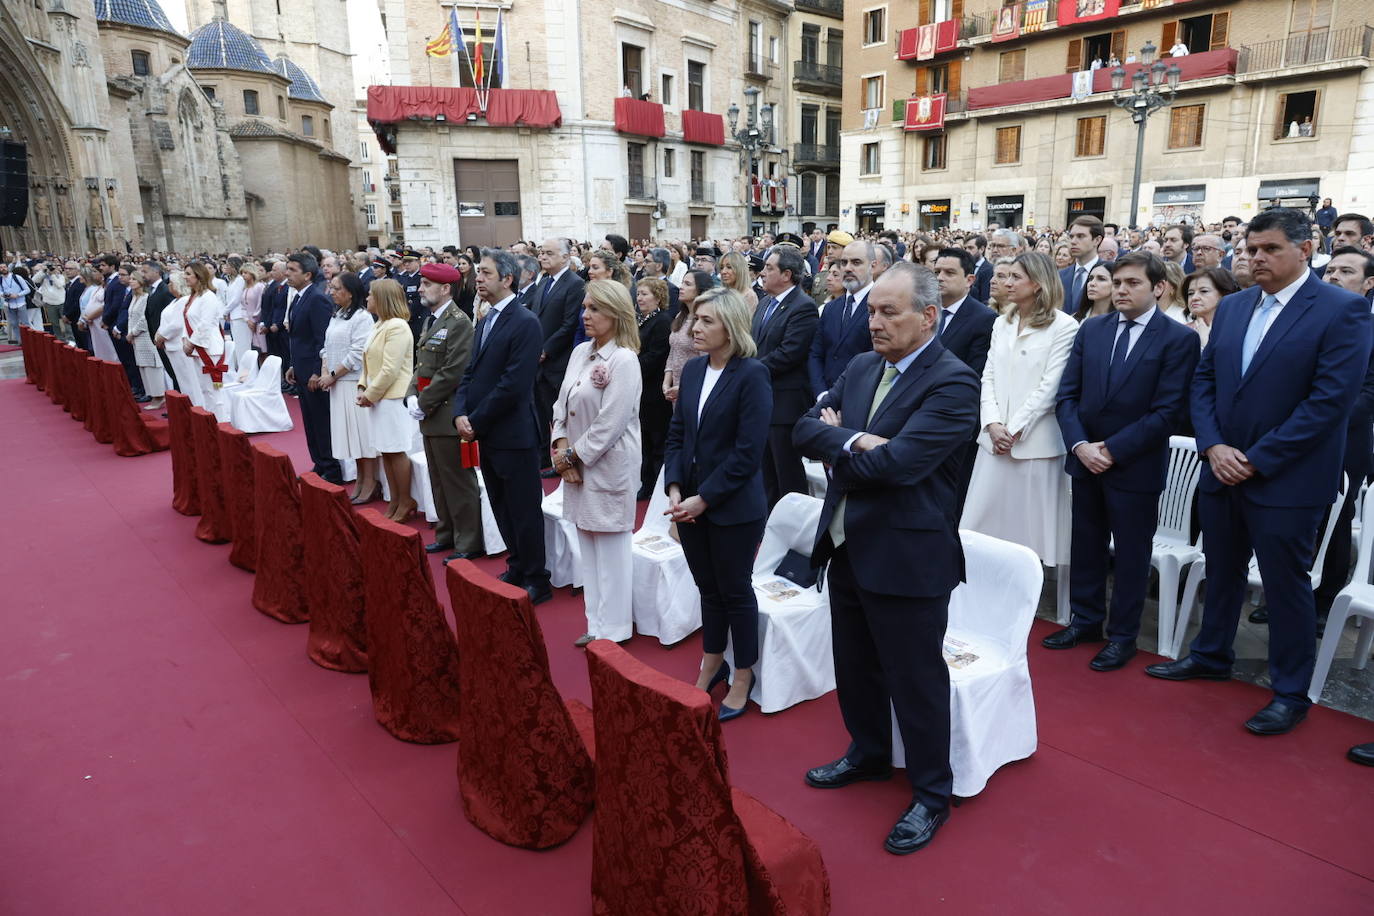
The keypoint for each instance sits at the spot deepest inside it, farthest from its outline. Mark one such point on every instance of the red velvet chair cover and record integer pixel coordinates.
(412, 659)
(278, 587)
(185, 486)
(93, 403)
(76, 382)
(27, 344)
(236, 476)
(52, 369)
(334, 587)
(523, 771)
(214, 526)
(102, 426)
(668, 837)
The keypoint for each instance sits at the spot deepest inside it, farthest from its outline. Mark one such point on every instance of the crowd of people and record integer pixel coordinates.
(1020, 384)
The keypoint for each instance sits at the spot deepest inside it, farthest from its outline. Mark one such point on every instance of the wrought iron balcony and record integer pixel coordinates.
(641, 188)
(1307, 50)
(815, 156)
(758, 66)
(833, 8)
(702, 192)
(813, 76)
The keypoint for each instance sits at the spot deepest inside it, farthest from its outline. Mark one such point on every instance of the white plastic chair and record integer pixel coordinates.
(562, 552)
(795, 658)
(1355, 600)
(1197, 573)
(1173, 548)
(992, 708)
(259, 407)
(666, 601)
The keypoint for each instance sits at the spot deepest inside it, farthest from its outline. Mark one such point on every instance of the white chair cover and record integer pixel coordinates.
(259, 407)
(491, 533)
(816, 481)
(992, 709)
(796, 662)
(666, 601)
(562, 552)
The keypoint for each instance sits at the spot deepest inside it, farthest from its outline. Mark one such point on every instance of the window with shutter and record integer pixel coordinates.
(1169, 38)
(955, 74)
(1119, 44)
(922, 80)
(1011, 66)
(1221, 30)
(1089, 139)
(923, 13)
(1008, 145)
(934, 158)
(1075, 58)
(1185, 126)
(898, 111)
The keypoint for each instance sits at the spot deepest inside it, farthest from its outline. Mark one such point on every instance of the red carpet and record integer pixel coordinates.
(168, 749)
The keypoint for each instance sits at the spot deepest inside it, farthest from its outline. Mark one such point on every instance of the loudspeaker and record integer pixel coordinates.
(14, 183)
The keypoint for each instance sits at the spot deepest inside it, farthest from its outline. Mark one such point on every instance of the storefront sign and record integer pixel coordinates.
(1284, 189)
(1183, 194)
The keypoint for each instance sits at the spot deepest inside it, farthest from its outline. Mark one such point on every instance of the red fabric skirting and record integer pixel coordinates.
(185, 486)
(523, 771)
(334, 588)
(132, 434)
(278, 589)
(214, 526)
(1203, 65)
(236, 476)
(52, 368)
(89, 380)
(786, 872)
(635, 117)
(77, 386)
(412, 659)
(703, 127)
(103, 426)
(531, 107)
(505, 107)
(27, 346)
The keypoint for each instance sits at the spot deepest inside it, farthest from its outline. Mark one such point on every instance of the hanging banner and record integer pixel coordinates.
(906, 44)
(925, 42)
(926, 112)
(1071, 11)
(1082, 84)
(1037, 11)
(1008, 23)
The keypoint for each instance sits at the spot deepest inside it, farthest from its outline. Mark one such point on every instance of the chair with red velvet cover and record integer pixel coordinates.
(236, 483)
(135, 433)
(670, 834)
(523, 770)
(185, 486)
(76, 381)
(214, 526)
(52, 368)
(412, 659)
(279, 586)
(95, 404)
(334, 584)
(27, 353)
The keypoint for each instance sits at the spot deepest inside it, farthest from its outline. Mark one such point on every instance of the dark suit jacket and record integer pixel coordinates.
(982, 281)
(969, 333)
(158, 300)
(1288, 413)
(836, 342)
(1359, 434)
(720, 458)
(1146, 402)
(1066, 281)
(653, 354)
(784, 346)
(115, 293)
(274, 303)
(901, 499)
(497, 390)
(71, 306)
(309, 317)
(558, 312)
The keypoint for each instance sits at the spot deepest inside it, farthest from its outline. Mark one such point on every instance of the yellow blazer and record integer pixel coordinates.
(388, 361)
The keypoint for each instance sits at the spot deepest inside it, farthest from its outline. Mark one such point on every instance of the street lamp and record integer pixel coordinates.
(1153, 85)
(753, 137)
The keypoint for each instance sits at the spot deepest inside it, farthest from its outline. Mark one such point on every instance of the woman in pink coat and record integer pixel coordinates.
(596, 450)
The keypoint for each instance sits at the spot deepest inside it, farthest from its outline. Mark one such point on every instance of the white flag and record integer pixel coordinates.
(1082, 84)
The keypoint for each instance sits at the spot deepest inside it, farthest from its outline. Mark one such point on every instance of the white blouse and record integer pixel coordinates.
(344, 342)
(204, 313)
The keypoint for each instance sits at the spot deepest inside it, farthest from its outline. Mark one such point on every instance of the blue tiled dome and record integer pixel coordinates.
(217, 45)
(146, 14)
(302, 86)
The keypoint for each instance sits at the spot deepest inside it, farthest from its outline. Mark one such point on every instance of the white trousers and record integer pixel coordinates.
(153, 384)
(607, 582)
(243, 338)
(213, 399)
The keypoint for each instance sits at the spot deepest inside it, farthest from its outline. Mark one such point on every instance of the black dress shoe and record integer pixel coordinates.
(1113, 655)
(841, 772)
(464, 555)
(1278, 718)
(1260, 614)
(1186, 669)
(916, 828)
(539, 593)
(511, 577)
(436, 547)
(142, 399)
(1072, 635)
(1362, 753)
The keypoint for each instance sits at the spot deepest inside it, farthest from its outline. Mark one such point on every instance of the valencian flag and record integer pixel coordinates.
(441, 46)
(1036, 13)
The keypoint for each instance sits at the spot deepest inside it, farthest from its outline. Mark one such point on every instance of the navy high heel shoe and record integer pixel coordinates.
(721, 674)
(729, 712)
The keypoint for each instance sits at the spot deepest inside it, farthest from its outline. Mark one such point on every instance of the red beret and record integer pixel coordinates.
(441, 273)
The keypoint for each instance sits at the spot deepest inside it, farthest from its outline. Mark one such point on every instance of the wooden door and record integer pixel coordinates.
(488, 201)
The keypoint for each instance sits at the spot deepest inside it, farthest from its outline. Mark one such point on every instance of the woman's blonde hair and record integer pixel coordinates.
(610, 298)
(1173, 273)
(741, 268)
(391, 300)
(204, 279)
(253, 270)
(1049, 295)
(734, 314)
(619, 272)
(659, 287)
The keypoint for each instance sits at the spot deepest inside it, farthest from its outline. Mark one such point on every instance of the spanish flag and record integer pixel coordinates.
(478, 70)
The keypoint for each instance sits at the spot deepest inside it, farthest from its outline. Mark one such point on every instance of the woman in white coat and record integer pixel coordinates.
(1019, 491)
(597, 450)
(169, 333)
(140, 337)
(203, 340)
(92, 307)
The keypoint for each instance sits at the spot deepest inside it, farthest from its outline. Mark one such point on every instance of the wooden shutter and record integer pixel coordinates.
(898, 114)
(1221, 30)
(1075, 58)
(923, 13)
(956, 9)
(955, 66)
(1008, 144)
(1118, 45)
(1169, 38)
(1185, 126)
(922, 80)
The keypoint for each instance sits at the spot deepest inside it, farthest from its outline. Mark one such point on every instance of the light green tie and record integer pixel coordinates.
(884, 386)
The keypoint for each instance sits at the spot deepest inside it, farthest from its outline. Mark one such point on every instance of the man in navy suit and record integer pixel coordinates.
(1177, 246)
(495, 406)
(893, 428)
(308, 311)
(71, 305)
(1124, 391)
(557, 304)
(977, 246)
(274, 312)
(842, 332)
(1085, 232)
(965, 330)
(1270, 402)
(783, 328)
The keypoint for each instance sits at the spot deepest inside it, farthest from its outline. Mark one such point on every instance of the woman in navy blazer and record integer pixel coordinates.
(714, 479)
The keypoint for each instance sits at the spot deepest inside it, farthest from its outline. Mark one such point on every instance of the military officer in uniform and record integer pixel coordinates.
(441, 357)
(409, 278)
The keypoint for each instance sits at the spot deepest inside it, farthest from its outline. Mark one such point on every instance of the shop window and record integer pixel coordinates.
(869, 161)
(1090, 139)
(1185, 126)
(250, 101)
(1011, 66)
(875, 26)
(142, 63)
(1297, 115)
(1008, 148)
(933, 156)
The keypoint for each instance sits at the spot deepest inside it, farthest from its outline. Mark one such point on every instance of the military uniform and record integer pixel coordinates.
(440, 360)
(410, 282)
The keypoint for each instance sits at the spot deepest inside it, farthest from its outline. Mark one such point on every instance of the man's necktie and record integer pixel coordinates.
(1123, 347)
(1079, 275)
(290, 301)
(429, 323)
(885, 384)
(848, 307)
(945, 316)
(543, 292)
(487, 322)
(1255, 333)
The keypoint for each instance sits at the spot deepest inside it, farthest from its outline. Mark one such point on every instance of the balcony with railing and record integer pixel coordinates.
(642, 188)
(832, 8)
(815, 156)
(701, 192)
(1329, 50)
(758, 66)
(813, 76)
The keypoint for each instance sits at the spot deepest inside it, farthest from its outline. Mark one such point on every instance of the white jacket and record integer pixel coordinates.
(1021, 382)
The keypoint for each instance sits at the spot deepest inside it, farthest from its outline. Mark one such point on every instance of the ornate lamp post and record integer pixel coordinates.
(753, 137)
(1153, 85)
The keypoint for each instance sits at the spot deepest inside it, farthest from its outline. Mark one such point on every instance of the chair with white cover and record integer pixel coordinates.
(492, 542)
(1355, 600)
(420, 489)
(1173, 547)
(666, 601)
(992, 708)
(562, 552)
(242, 374)
(795, 658)
(816, 481)
(260, 407)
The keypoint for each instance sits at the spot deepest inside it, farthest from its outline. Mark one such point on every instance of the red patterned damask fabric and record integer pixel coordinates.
(29, 353)
(786, 872)
(523, 771)
(185, 486)
(334, 585)
(278, 587)
(76, 376)
(103, 428)
(132, 436)
(412, 659)
(90, 375)
(236, 476)
(214, 526)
